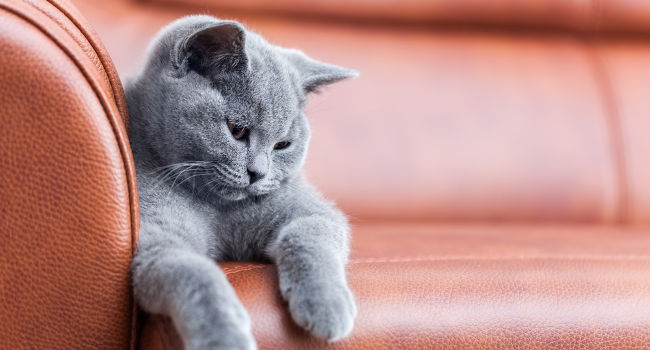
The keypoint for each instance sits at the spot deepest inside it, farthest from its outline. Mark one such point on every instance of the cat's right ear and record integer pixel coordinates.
(214, 50)
(314, 74)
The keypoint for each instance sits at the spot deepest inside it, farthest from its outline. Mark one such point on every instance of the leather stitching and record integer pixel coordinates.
(108, 66)
(85, 46)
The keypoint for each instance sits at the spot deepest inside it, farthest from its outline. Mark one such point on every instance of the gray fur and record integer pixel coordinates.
(196, 199)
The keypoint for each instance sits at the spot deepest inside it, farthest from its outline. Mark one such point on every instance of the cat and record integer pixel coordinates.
(219, 138)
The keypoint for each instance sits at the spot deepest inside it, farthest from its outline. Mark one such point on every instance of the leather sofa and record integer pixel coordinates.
(493, 158)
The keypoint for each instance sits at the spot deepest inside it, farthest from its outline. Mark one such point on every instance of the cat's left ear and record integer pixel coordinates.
(314, 74)
(215, 49)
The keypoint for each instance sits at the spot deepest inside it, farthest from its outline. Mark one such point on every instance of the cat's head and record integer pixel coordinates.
(217, 94)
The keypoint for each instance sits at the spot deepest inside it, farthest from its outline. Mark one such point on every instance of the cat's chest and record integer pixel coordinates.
(245, 233)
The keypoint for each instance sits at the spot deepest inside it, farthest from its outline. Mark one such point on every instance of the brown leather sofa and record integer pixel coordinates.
(493, 157)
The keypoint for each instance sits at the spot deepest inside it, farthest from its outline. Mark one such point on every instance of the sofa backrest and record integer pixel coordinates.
(630, 16)
(466, 116)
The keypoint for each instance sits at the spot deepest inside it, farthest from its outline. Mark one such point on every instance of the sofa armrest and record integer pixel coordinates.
(68, 202)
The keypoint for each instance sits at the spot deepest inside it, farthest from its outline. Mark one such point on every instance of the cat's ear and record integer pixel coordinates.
(314, 74)
(215, 49)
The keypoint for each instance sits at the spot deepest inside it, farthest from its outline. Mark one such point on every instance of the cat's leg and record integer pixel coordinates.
(172, 279)
(310, 254)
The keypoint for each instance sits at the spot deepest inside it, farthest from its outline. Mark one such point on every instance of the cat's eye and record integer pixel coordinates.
(237, 131)
(282, 145)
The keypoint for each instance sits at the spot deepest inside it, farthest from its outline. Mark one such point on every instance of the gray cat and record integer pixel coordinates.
(219, 138)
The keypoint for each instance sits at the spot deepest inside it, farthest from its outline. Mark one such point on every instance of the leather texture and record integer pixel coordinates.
(430, 286)
(69, 202)
(71, 20)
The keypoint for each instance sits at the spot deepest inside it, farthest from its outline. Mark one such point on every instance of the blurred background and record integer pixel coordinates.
(503, 110)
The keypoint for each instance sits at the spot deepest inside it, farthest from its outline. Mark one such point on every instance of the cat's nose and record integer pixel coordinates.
(254, 176)
(258, 168)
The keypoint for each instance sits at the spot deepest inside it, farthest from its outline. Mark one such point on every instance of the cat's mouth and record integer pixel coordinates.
(248, 191)
(236, 192)
(263, 188)
(255, 191)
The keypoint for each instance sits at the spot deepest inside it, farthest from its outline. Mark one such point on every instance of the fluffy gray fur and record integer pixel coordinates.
(206, 196)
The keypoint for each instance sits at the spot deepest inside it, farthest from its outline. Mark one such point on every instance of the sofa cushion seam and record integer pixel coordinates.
(244, 268)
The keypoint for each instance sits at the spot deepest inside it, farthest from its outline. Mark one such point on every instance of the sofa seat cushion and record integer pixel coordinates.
(480, 286)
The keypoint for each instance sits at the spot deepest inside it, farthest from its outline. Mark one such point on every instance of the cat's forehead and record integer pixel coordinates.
(272, 92)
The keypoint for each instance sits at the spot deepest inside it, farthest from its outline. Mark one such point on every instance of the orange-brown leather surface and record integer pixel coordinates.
(429, 286)
(77, 22)
(624, 15)
(581, 15)
(64, 14)
(69, 203)
(628, 73)
(572, 14)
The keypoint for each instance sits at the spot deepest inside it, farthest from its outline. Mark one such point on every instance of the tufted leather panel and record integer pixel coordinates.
(429, 286)
(69, 203)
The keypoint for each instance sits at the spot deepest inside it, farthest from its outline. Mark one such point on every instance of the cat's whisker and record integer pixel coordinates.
(167, 171)
(189, 169)
(231, 171)
(229, 177)
(193, 177)
(178, 171)
(170, 167)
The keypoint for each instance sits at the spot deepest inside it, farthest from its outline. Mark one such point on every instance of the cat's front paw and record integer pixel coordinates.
(327, 310)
